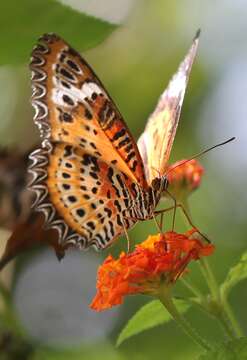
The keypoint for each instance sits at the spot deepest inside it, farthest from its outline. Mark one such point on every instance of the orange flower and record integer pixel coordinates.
(184, 177)
(160, 259)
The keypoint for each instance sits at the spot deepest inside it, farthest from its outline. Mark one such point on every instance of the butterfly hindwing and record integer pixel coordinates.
(85, 198)
(156, 141)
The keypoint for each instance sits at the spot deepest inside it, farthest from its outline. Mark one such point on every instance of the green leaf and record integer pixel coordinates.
(149, 316)
(233, 350)
(23, 22)
(236, 274)
(106, 351)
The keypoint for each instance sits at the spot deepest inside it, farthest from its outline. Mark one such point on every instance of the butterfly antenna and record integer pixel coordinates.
(202, 153)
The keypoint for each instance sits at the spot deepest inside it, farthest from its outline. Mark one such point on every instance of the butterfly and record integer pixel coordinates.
(91, 179)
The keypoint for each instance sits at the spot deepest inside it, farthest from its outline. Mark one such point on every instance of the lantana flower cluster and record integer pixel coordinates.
(161, 259)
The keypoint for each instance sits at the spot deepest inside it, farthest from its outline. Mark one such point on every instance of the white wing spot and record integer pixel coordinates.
(75, 94)
(89, 88)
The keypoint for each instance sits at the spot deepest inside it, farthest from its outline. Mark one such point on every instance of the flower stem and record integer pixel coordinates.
(210, 278)
(221, 309)
(203, 306)
(234, 323)
(225, 313)
(226, 326)
(166, 300)
(194, 290)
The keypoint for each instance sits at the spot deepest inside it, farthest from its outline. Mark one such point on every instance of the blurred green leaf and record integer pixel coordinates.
(8, 318)
(106, 351)
(13, 347)
(22, 23)
(149, 316)
(233, 350)
(236, 274)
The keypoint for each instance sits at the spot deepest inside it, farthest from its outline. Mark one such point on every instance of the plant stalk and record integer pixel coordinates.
(193, 289)
(224, 313)
(210, 278)
(230, 315)
(166, 299)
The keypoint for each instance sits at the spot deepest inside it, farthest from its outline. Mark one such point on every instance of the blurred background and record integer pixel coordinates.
(144, 42)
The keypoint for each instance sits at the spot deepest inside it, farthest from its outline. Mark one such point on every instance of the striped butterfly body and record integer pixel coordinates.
(91, 180)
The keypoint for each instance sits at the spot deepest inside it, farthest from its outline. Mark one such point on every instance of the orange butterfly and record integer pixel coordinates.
(91, 180)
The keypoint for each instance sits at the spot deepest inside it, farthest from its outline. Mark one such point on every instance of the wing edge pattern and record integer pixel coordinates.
(38, 77)
(37, 168)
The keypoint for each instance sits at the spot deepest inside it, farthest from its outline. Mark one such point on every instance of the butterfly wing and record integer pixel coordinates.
(156, 141)
(72, 106)
(83, 197)
(80, 126)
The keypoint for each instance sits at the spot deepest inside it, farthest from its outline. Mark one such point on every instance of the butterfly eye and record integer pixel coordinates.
(164, 183)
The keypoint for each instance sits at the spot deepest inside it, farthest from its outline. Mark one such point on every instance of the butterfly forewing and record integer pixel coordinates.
(71, 105)
(156, 141)
(78, 121)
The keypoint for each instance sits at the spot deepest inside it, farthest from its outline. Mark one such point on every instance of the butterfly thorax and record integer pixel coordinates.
(144, 201)
(158, 186)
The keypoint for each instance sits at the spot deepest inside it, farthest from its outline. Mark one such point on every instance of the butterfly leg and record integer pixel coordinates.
(161, 220)
(153, 216)
(156, 223)
(187, 217)
(174, 208)
(191, 224)
(127, 235)
(176, 205)
(161, 213)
